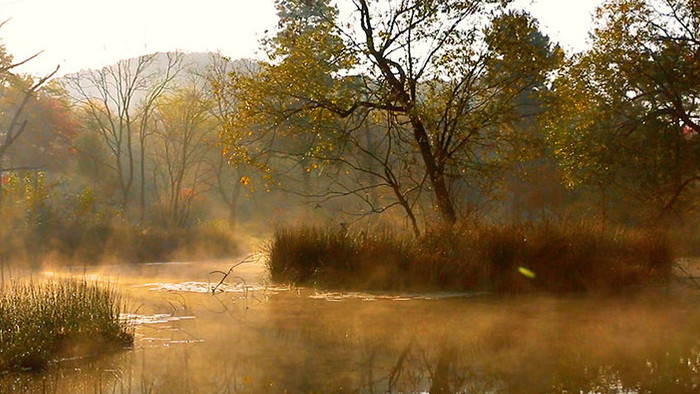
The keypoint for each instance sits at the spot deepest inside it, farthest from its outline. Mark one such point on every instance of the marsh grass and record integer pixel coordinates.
(61, 317)
(501, 258)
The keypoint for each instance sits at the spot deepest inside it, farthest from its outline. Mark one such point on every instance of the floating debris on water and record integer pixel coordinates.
(204, 287)
(153, 340)
(339, 296)
(241, 288)
(157, 318)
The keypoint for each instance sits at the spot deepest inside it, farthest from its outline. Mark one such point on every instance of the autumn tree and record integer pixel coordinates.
(439, 80)
(49, 140)
(17, 93)
(629, 114)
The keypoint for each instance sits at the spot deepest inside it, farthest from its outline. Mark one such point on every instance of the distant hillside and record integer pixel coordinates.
(192, 64)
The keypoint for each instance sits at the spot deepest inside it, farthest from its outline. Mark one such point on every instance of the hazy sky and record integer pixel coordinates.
(92, 33)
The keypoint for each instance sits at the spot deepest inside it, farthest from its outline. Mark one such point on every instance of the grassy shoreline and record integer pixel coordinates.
(61, 317)
(515, 258)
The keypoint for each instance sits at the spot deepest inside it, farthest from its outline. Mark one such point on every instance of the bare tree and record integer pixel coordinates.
(118, 103)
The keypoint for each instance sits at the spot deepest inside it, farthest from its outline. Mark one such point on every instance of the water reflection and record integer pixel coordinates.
(253, 338)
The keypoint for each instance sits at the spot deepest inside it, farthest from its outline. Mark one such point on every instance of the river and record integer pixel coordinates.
(251, 336)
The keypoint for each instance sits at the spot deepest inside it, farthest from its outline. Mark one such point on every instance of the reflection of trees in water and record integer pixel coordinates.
(517, 346)
(435, 368)
(430, 368)
(454, 369)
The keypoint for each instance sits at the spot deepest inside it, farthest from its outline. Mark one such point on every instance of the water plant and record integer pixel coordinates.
(59, 317)
(505, 258)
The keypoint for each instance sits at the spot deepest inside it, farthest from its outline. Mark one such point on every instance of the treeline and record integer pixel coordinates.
(120, 163)
(424, 111)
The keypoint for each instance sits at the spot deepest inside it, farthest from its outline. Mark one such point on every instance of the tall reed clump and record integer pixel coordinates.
(509, 258)
(333, 257)
(553, 257)
(64, 317)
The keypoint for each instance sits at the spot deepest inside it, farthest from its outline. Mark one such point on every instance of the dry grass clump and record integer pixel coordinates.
(558, 257)
(330, 257)
(58, 318)
(501, 258)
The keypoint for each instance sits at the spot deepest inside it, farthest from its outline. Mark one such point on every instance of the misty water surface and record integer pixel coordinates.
(255, 337)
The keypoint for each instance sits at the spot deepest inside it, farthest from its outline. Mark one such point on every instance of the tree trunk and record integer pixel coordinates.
(142, 201)
(404, 92)
(2, 158)
(232, 214)
(435, 174)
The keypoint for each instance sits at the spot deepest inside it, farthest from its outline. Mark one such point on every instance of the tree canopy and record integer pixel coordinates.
(439, 83)
(628, 109)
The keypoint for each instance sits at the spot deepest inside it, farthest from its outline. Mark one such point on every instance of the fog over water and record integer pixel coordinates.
(262, 338)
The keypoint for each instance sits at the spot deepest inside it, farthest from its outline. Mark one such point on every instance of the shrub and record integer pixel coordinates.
(42, 221)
